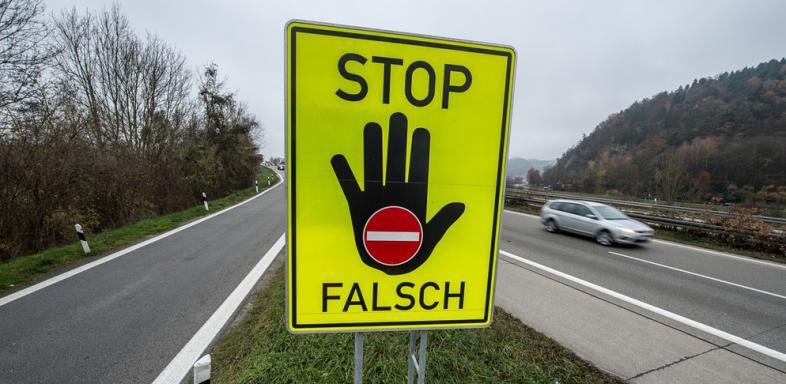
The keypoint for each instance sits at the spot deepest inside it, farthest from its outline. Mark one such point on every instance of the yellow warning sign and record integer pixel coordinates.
(396, 149)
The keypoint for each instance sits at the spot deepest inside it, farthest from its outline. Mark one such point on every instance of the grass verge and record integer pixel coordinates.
(260, 350)
(684, 238)
(25, 270)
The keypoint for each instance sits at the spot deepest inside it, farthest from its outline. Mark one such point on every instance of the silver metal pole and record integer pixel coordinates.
(422, 362)
(416, 364)
(411, 363)
(358, 358)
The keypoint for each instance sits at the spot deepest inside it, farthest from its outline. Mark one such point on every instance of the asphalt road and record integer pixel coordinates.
(124, 320)
(741, 296)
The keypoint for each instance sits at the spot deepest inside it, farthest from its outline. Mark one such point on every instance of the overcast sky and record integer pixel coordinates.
(578, 61)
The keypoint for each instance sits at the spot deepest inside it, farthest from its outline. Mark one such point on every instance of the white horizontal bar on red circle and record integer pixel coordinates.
(392, 236)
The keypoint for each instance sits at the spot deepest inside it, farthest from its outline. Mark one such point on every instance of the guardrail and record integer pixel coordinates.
(527, 198)
(651, 206)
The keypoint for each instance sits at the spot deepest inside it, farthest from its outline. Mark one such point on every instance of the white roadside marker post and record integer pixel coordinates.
(268, 181)
(202, 370)
(204, 200)
(82, 238)
(256, 185)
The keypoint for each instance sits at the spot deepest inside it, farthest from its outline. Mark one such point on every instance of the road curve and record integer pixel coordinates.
(124, 320)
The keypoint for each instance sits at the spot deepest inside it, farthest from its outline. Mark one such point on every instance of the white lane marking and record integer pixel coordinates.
(698, 249)
(671, 315)
(724, 254)
(392, 236)
(700, 275)
(56, 279)
(179, 367)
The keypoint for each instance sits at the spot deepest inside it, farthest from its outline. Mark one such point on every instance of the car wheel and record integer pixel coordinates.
(551, 226)
(604, 238)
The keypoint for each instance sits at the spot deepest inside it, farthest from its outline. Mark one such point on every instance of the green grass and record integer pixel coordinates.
(27, 269)
(260, 350)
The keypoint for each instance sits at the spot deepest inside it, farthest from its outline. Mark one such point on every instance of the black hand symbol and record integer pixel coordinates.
(412, 194)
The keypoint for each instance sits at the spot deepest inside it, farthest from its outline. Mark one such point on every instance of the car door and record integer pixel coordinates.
(568, 215)
(585, 224)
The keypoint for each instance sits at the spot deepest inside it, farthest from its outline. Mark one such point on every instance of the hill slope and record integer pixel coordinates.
(717, 138)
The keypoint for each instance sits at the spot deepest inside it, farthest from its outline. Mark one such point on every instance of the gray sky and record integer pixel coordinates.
(578, 61)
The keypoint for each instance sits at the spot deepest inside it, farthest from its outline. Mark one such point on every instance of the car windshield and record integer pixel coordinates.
(610, 213)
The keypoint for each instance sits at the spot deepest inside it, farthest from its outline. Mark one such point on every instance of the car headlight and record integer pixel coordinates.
(628, 231)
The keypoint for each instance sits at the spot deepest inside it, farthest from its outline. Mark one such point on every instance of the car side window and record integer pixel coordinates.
(582, 210)
(556, 206)
(569, 208)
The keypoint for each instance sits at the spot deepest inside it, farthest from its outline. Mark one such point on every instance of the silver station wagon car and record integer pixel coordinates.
(606, 224)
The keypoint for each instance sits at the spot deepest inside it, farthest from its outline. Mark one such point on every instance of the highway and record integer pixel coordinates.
(736, 295)
(123, 321)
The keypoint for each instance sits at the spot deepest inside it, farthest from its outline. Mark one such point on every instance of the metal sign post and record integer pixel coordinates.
(358, 357)
(417, 364)
(416, 357)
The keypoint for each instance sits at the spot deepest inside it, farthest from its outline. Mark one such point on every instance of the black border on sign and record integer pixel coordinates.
(293, 165)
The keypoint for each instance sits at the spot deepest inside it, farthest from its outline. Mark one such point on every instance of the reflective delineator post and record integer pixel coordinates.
(82, 238)
(256, 185)
(202, 370)
(204, 200)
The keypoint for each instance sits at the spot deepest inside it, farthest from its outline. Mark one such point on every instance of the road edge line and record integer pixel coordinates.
(181, 364)
(660, 311)
(104, 259)
(522, 214)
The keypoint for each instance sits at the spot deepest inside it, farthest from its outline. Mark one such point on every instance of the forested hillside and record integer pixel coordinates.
(103, 127)
(717, 139)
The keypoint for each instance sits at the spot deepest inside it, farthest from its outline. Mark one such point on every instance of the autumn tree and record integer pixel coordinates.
(533, 177)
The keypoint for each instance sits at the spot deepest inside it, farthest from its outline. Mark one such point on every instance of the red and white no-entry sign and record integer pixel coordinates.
(393, 235)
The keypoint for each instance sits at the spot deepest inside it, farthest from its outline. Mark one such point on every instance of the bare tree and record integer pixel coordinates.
(76, 64)
(23, 50)
(128, 85)
(671, 175)
(533, 177)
